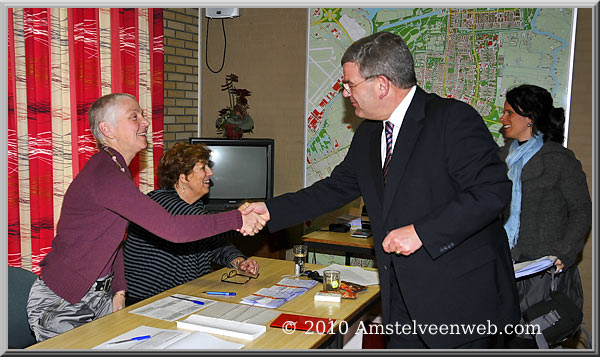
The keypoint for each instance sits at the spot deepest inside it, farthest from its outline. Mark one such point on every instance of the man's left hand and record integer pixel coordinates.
(403, 240)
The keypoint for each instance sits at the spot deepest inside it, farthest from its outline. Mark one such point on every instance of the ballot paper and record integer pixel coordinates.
(218, 326)
(283, 291)
(355, 275)
(533, 266)
(173, 307)
(167, 339)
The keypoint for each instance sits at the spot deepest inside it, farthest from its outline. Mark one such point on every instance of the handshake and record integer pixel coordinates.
(254, 217)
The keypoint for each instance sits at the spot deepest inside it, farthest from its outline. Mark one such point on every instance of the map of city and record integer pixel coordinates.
(473, 55)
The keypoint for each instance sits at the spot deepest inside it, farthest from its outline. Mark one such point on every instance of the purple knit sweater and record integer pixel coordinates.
(95, 213)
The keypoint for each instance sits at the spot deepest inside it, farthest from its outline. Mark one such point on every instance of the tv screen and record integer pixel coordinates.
(242, 171)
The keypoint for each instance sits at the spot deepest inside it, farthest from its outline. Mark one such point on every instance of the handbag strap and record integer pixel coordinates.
(553, 281)
(112, 258)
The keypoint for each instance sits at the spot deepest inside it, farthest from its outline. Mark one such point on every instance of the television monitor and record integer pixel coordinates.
(242, 171)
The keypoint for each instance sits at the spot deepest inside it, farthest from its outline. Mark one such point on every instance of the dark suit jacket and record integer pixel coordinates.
(446, 178)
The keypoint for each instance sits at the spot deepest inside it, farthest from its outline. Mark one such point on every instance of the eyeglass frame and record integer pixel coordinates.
(349, 88)
(234, 272)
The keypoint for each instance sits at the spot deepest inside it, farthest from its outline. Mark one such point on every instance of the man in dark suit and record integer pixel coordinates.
(433, 202)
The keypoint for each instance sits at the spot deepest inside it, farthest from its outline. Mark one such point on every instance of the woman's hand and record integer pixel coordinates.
(249, 266)
(559, 265)
(119, 300)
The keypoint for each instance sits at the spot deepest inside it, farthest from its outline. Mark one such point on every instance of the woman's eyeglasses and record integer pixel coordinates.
(237, 277)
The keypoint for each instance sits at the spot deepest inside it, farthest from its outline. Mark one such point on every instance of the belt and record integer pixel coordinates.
(104, 283)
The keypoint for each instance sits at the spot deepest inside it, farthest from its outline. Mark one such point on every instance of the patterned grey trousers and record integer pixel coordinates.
(50, 315)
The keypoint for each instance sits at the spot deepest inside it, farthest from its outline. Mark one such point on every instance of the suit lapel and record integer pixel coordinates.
(405, 142)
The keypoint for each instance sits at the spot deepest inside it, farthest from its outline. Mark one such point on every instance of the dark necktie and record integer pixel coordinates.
(389, 129)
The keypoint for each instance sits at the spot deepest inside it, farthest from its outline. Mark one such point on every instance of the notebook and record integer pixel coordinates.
(303, 323)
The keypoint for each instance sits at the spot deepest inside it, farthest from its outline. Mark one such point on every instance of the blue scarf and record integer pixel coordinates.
(518, 155)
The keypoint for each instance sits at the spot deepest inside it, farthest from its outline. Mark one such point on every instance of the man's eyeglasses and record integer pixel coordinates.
(349, 87)
(237, 277)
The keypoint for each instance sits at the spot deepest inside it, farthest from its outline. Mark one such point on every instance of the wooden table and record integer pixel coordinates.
(271, 270)
(339, 241)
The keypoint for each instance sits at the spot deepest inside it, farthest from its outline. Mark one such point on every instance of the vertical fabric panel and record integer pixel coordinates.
(14, 235)
(22, 140)
(105, 50)
(62, 169)
(146, 167)
(157, 67)
(86, 81)
(127, 77)
(37, 60)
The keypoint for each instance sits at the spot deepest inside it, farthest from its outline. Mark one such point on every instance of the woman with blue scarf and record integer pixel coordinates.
(550, 211)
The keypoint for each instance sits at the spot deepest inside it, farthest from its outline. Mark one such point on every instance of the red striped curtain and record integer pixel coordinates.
(59, 61)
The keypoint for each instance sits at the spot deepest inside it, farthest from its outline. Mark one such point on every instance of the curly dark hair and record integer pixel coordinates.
(180, 159)
(535, 102)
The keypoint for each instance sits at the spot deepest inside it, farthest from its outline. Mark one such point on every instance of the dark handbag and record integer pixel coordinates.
(556, 314)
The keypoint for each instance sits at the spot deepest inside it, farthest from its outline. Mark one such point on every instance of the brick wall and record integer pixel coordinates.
(181, 75)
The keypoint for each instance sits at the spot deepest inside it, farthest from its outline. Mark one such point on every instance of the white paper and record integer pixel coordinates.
(355, 275)
(217, 326)
(241, 313)
(280, 293)
(171, 309)
(168, 339)
(204, 341)
(533, 266)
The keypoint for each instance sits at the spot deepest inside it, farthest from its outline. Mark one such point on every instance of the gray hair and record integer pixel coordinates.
(104, 109)
(386, 54)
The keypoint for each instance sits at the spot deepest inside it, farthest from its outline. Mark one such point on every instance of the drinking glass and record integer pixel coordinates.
(331, 280)
(300, 252)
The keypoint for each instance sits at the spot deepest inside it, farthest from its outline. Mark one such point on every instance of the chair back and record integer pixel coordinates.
(19, 284)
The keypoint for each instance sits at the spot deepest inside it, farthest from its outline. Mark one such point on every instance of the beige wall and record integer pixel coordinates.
(266, 48)
(580, 137)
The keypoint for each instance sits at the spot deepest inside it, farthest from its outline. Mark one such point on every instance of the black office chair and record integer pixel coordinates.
(19, 284)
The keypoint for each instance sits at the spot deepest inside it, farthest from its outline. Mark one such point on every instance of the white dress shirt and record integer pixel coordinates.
(396, 118)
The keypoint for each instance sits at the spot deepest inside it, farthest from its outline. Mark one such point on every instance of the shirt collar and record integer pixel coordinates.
(398, 114)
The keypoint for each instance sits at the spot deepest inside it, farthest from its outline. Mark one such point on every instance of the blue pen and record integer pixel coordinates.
(223, 293)
(138, 338)
(186, 299)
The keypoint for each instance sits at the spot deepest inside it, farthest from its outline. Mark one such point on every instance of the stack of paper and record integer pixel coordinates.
(222, 327)
(166, 339)
(285, 290)
(173, 307)
(533, 266)
(355, 275)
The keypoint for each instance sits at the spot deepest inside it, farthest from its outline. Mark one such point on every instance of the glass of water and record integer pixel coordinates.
(300, 253)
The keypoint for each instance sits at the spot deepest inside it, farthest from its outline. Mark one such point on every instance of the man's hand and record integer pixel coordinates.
(403, 240)
(119, 300)
(258, 207)
(252, 223)
(249, 265)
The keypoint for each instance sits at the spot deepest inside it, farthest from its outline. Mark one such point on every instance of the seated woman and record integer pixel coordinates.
(550, 211)
(152, 264)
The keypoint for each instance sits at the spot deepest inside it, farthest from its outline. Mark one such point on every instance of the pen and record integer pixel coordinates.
(186, 299)
(223, 293)
(138, 338)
